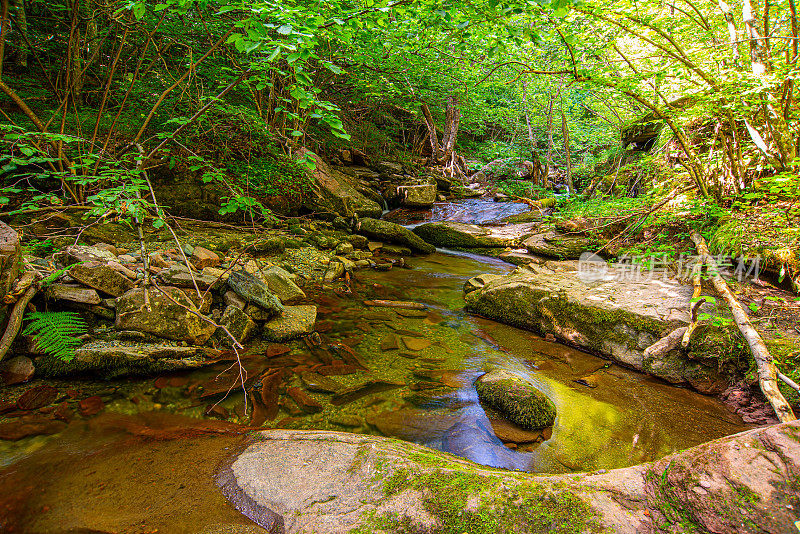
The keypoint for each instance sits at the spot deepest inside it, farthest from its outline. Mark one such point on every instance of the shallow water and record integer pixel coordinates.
(136, 451)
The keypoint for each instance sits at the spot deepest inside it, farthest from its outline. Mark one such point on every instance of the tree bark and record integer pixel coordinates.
(767, 374)
(565, 136)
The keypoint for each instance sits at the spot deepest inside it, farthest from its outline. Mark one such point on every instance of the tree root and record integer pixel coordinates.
(15, 321)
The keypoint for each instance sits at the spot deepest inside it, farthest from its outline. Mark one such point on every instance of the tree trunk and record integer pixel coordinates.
(565, 136)
(767, 374)
(549, 155)
(433, 136)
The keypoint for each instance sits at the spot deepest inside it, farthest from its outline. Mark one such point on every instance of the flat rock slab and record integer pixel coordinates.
(298, 481)
(604, 309)
(119, 358)
(296, 321)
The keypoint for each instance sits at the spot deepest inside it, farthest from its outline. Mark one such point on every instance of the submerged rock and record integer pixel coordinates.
(394, 233)
(517, 399)
(171, 315)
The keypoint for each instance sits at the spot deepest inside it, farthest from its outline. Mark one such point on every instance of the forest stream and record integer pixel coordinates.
(151, 448)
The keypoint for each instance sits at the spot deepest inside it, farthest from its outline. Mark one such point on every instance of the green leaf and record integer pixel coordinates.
(285, 29)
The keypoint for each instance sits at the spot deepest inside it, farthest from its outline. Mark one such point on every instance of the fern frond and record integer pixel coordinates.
(56, 333)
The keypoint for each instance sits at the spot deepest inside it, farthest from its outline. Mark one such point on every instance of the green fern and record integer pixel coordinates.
(56, 333)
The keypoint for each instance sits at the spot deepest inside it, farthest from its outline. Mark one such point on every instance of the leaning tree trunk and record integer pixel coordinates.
(767, 373)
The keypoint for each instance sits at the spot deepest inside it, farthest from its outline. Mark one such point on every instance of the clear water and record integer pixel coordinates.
(153, 451)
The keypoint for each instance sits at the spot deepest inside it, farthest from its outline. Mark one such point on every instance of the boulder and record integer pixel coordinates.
(295, 321)
(477, 282)
(318, 481)
(417, 196)
(10, 252)
(460, 235)
(101, 277)
(253, 290)
(280, 283)
(389, 167)
(394, 233)
(517, 399)
(613, 314)
(171, 315)
(78, 253)
(332, 192)
(238, 323)
(73, 293)
(179, 275)
(270, 245)
(557, 245)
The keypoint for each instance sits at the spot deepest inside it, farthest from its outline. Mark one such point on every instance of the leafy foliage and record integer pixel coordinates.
(56, 333)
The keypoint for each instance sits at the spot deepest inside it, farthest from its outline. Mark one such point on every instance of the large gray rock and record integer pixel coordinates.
(170, 315)
(10, 251)
(179, 275)
(78, 253)
(332, 192)
(614, 314)
(460, 235)
(253, 290)
(295, 321)
(393, 233)
(312, 481)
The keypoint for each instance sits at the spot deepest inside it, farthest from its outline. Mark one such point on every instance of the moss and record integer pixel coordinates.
(519, 401)
(480, 504)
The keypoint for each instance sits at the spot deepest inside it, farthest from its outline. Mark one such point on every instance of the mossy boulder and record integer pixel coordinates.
(332, 192)
(168, 313)
(459, 235)
(616, 316)
(253, 290)
(557, 245)
(517, 399)
(393, 233)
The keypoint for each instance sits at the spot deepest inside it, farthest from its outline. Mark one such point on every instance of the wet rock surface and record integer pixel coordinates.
(295, 481)
(609, 313)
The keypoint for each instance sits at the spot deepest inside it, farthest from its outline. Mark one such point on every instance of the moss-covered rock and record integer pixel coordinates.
(393, 233)
(168, 313)
(517, 399)
(561, 246)
(295, 321)
(616, 317)
(459, 235)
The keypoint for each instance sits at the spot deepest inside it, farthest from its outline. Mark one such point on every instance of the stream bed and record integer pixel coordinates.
(157, 435)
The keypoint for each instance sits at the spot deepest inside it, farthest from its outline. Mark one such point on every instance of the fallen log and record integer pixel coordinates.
(396, 304)
(767, 373)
